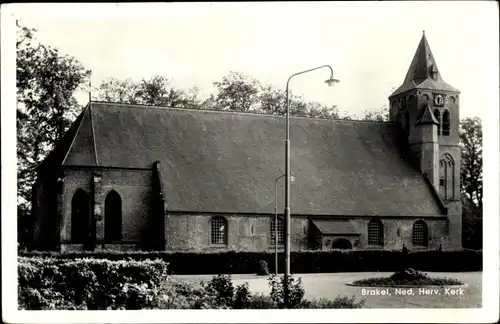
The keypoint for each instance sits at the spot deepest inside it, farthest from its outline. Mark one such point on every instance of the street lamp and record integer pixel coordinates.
(276, 221)
(331, 81)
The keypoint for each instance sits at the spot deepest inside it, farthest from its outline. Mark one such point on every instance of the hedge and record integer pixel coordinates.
(47, 283)
(93, 284)
(301, 262)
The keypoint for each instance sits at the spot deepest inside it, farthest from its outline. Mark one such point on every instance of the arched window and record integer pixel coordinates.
(442, 178)
(80, 217)
(219, 230)
(113, 217)
(446, 123)
(277, 228)
(437, 114)
(341, 243)
(447, 177)
(420, 233)
(375, 232)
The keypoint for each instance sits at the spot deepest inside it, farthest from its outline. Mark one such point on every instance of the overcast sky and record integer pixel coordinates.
(369, 45)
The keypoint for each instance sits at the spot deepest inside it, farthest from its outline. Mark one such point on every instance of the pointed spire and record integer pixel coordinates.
(423, 63)
(423, 71)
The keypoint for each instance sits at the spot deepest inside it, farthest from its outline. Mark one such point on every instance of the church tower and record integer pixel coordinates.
(427, 109)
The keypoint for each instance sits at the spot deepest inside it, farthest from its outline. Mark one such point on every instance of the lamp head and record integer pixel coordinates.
(331, 81)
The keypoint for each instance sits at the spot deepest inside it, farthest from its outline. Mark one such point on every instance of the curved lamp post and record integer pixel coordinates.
(331, 81)
(276, 221)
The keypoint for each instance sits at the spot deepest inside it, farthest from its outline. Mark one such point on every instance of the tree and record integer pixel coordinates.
(156, 91)
(115, 90)
(46, 81)
(471, 170)
(237, 92)
(381, 114)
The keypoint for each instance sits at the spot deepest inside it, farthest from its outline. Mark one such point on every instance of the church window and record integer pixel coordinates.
(437, 114)
(113, 217)
(80, 217)
(279, 229)
(219, 230)
(375, 232)
(446, 123)
(447, 177)
(442, 177)
(420, 233)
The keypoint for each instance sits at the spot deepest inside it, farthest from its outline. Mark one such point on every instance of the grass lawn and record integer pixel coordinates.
(330, 285)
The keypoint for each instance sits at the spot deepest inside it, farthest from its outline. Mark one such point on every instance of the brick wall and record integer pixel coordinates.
(134, 188)
(185, 232)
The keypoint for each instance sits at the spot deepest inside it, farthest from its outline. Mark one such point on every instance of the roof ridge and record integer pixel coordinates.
(251, 113)
(76, 133)
(93, 133)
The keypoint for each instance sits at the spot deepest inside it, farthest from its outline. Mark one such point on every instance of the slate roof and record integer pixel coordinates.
(227, 162)
(328, 227)
(425, 116)
(419, 72)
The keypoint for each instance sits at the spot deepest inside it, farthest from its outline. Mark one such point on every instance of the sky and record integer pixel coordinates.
(368, 44)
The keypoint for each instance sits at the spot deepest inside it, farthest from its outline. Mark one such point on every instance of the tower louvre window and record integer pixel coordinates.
(447, 177)
(446, 123)
(437, 114)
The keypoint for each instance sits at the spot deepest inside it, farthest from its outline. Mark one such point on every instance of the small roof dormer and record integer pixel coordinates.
(423, 72)
(426, 117)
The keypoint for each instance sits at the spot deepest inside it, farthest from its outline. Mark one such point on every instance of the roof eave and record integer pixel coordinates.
(42, 164)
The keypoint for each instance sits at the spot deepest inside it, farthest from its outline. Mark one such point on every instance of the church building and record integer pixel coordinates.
(131, 177)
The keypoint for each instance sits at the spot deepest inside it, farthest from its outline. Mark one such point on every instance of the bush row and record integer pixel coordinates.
(301, 262)
(47, 283)
(90, 284)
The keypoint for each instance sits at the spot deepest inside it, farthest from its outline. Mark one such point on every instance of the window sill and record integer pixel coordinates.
(218, 245)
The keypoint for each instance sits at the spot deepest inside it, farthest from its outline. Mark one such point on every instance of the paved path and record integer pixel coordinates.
(331, 285)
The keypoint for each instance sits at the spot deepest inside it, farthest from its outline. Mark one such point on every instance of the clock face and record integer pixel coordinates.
(438, 100)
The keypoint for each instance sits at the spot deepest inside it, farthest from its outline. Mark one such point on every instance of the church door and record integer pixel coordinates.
(341, 244)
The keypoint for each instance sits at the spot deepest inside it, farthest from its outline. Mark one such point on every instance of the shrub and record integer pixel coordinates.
(263, 269)
(338, 302)
(301, 262)
(261, 301)
(183, 295)
(407, 277)
(242, 297)
(222, 288)
(88, 283)
(409, 274)
(296, 291)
